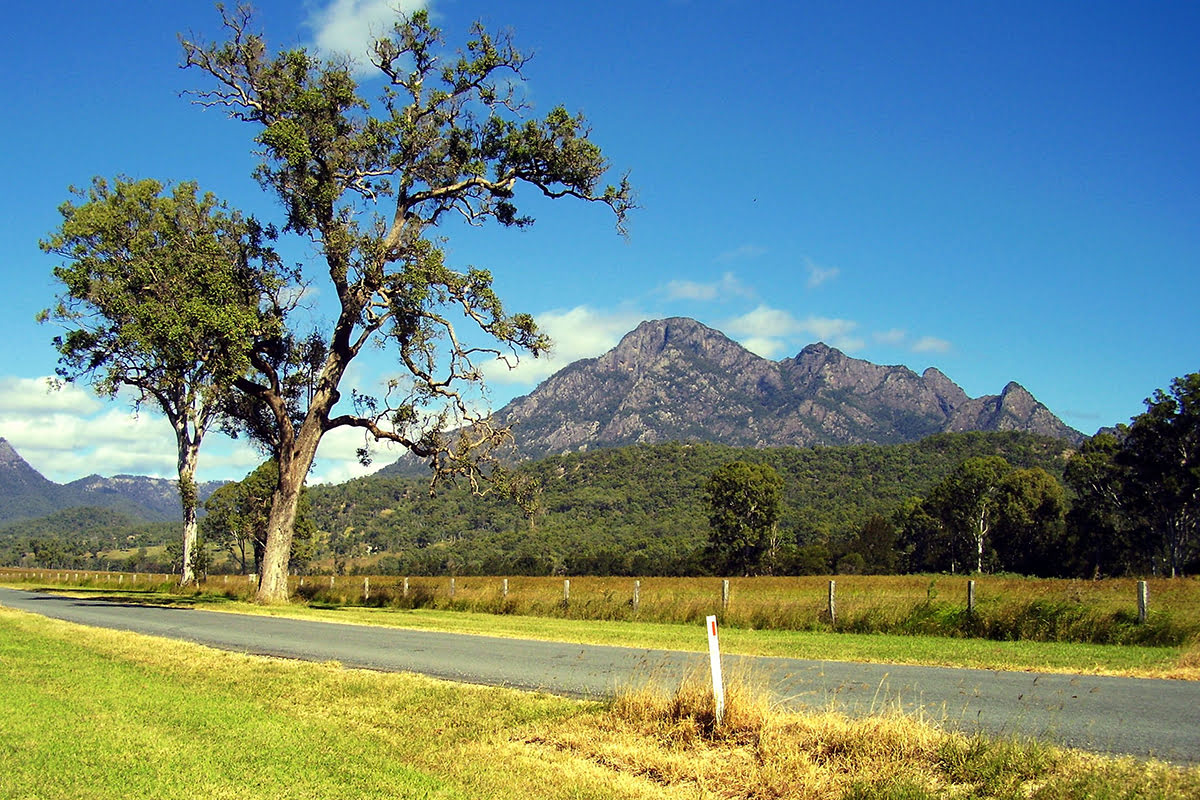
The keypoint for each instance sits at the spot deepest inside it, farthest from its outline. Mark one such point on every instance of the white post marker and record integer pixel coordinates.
(714, 654)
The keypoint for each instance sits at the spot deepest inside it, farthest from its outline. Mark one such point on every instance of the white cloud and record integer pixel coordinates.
(931, 344)
(37, 395)
(728, 286)
(337, 457)
(768, 331)
(765, 346)
(349, 27)
(580, 332)
(894, 337)
(818, 275)
(743, 253)
(74, 435)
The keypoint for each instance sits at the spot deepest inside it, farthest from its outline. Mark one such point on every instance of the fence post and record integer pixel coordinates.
(725, 595)
(832, 602)
(1143, 601)
(366, 589)
(504, 589)
(637, 594)
(406, 588)
(970, 597)
(452, 588)
(566, 591)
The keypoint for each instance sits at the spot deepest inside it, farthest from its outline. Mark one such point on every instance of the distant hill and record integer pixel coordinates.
(26, 494)
(640, 509)
(678, 380)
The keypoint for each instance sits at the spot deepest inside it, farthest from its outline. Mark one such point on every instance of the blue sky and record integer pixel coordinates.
(1003, 191)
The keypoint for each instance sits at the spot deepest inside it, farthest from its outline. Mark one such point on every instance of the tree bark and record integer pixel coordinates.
(295, 460)
(189, 454)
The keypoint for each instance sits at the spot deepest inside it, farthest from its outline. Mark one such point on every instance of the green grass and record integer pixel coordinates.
(1131, 660)
(98, 714)
(1019, 623)
(90, 713)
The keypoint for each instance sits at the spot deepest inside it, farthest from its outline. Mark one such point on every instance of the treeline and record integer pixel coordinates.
(1124, 503)
(640, 510)
(92, 538)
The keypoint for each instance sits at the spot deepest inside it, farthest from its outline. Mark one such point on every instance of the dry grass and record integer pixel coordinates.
(229, 725)
(670, 738)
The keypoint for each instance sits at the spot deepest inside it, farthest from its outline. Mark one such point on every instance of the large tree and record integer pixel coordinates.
(369, 185)
(1029, 535)
(1104, 520)
(967, 502)
(163, 292)
(743, 514)
(1161, 452)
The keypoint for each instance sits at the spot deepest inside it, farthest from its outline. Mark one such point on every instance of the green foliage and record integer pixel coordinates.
(163, 289)
(743, 511)
(164, 293)
(369, 184)
(640, 510)
(237, 520)
(1030, 534)
(1139, 488)
(85, 538)
(1161, 453)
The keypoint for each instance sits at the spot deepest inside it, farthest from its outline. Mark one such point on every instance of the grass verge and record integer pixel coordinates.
(1072, 657)
(98, 714)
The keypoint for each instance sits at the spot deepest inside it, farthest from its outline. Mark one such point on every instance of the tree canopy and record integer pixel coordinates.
(369, 184)
(743, 514)
(164, 290)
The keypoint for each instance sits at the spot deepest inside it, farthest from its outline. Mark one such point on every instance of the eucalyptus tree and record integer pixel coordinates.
(1030, 530)
(163, 290)
(967, 501)
(368, 185)
(236, 521)
(743, 513)
(1161, 454)
(1104, 520)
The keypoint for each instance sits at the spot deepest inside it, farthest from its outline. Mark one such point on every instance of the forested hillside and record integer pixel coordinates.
(84, 538)
(640, 509)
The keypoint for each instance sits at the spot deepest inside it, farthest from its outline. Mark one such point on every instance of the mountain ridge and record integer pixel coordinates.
(27, 494)
(677, 379)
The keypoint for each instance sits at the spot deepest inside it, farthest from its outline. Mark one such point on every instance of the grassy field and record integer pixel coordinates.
(106, 714)
(1006, 608)
(1160, 661)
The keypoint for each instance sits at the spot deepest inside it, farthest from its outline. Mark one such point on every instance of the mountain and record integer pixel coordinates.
(678, 380)
(25, 493)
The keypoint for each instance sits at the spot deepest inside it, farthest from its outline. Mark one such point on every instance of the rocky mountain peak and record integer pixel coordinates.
(654, 340)
(9, 456)
(677, 379)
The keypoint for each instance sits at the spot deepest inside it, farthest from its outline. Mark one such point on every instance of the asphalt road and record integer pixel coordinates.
(1140, 717)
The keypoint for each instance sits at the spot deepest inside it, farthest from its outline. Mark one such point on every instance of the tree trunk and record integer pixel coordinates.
(191, 539)
(189, 452)
(293, 470)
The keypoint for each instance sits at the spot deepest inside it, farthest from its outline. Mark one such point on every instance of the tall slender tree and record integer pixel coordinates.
(967, 502)
(1162, 455)
(743, 514)
(163, 293)
(369, 185)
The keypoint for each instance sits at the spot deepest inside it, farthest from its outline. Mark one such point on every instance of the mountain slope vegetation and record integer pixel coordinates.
(639, 509)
